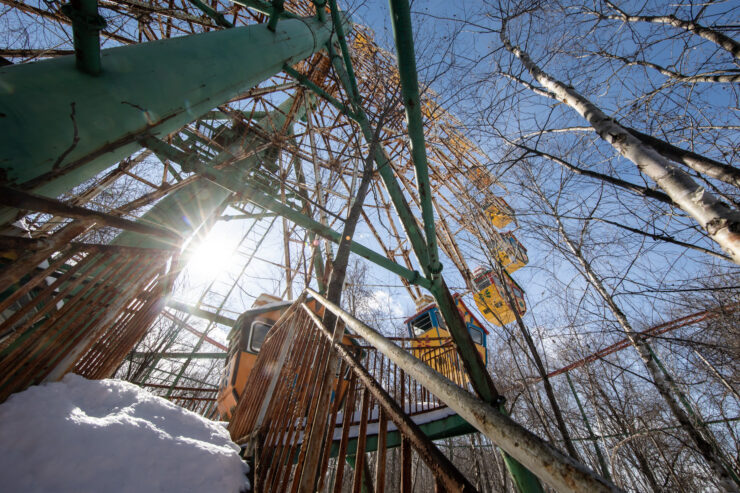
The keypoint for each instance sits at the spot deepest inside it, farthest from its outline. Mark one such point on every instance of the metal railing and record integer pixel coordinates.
(81, 312)
(200, 400)
(383, 385)
(371, 396)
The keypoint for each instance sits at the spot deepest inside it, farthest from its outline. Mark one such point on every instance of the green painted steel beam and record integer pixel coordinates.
(277, 9)
(89, 123)
(451, 426)
(306, 82)
(217, 17)
(86, 26)
(264, 8)
(343, 66)
(262, 199)
(480, 378)
(403, 34)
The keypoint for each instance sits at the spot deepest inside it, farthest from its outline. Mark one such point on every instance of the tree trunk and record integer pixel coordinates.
(558, 415)
(721, 222)
(666, 387)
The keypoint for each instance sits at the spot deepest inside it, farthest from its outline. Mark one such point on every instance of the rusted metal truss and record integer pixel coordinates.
(81, 311)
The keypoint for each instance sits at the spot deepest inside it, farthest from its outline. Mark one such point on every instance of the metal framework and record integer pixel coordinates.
(148, 146)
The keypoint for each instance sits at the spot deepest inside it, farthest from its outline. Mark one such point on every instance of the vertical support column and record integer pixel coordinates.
(86, 27)
(405, 465)
(404, 36)
(89, 123)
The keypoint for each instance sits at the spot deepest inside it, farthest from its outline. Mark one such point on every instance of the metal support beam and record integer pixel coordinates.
(213, 317)
(481, 380)
(306, 82)
(188, 208)
(36, 203)
(260, 198)
(217, 17)
(179, 355)
(549, 464)
(88, 123)
(403, 34)
(194, 331)
(343, 67)
(86, 27)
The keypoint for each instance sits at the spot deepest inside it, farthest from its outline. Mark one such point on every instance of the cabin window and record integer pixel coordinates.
(421, 324)
(259, 332)
(482, 282)
(476, 335)
(440, 321)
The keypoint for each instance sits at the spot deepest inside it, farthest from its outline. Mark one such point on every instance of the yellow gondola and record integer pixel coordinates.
(245, 341)
(431, 339)
(491, 298)
(511, 253)
(499, 212)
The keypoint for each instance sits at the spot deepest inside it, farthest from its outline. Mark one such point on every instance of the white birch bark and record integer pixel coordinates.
(666, 387)
(707, 33)
(721, 223)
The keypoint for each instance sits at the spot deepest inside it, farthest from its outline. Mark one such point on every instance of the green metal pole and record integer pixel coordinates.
(403, 34)
(480, 378)
(210, 316)
(86, 26)
(591, 435)
(89, 123)
(343, 67)
(218, 17)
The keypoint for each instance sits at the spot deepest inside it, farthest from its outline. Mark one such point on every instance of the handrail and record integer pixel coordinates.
(549, 464)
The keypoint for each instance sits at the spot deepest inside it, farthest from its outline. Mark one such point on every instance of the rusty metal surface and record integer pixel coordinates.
(549, 464)
(370, 392)
(85, 310)
(37, 203)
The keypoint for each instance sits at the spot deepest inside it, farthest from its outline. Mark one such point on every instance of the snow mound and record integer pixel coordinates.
(83, 436)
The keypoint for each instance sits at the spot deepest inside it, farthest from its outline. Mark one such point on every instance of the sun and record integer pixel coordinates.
(210, 257)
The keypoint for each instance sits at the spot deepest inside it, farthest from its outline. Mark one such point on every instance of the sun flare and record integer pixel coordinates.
(210, 257)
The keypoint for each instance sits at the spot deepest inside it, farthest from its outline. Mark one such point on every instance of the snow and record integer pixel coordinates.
(84, 436)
